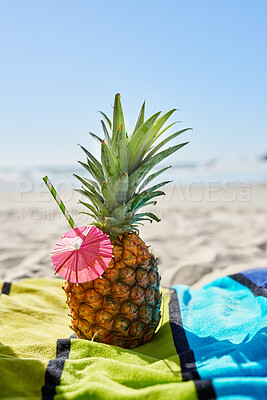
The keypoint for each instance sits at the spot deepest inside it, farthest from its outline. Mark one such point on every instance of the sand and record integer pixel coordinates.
(205, 232)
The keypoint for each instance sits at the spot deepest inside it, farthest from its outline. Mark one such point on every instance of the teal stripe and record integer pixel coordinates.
(225, 328)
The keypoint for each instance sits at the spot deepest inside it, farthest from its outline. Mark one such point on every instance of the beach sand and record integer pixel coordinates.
(206, 232)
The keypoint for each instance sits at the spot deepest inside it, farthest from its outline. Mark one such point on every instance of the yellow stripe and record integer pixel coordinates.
(32, 300)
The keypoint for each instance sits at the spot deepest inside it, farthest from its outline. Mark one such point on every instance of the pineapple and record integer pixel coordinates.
(122, 307)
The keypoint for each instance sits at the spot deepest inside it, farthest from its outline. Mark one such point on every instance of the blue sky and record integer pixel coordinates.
(62, 61)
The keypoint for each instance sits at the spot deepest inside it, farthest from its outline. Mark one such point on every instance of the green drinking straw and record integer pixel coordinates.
(52, 190)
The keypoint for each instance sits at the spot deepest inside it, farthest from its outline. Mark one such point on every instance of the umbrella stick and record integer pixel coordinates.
(52, 190)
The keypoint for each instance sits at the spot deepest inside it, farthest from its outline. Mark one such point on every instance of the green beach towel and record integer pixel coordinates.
(40, 358)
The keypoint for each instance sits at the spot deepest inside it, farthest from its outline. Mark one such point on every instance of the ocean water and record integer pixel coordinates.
(220, 172)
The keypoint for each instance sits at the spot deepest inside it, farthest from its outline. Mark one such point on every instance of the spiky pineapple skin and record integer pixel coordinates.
(123, 307)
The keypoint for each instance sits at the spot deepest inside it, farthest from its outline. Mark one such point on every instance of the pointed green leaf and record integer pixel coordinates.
(97, 173)
(136, 178)
(94, 171)
(143, 205)
(151, 177)
(86, 166)
(161, 144)
(137, 142)
(98, 225)
(141, 198)
(148, 203)
(106, 118)
(138, 175)
(94, 184)
(140, 118)
(90, 187)
(137, 220)
(119, 151)
(92, 158)
(163, 154)
(135, 229)
(109, 164)
(118, 118)
(106, 134)
(156, 128)
(93, 209)
(148, 214)
(97, 203)
(153, 188)
(91, 215)
(164, 130)
(97, 138)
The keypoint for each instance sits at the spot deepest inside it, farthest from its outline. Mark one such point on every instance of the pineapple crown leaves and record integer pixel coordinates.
(140, 118)
(119, 185)
(137, 142)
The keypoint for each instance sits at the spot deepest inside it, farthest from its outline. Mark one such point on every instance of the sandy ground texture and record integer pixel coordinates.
(205, 232)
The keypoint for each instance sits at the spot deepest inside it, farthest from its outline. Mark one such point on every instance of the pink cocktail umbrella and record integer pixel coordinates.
(82, 254)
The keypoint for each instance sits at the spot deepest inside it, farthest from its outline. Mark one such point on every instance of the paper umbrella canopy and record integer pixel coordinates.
(82, 254)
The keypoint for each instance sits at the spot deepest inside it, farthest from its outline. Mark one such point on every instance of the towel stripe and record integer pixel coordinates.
(6, 288)
(55, 368)
(205, 390)
(186, 355)
(256, 290)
